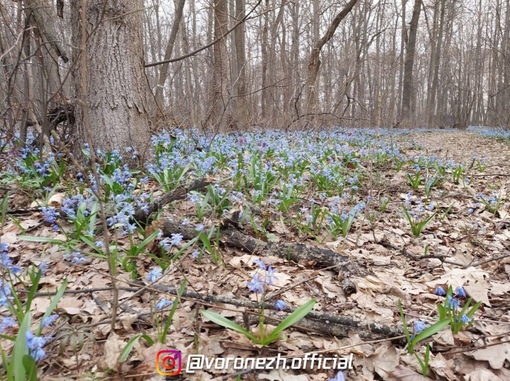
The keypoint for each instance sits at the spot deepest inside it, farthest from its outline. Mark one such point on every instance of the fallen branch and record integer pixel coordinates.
(144, 216)
(325, 323)
(297, 252)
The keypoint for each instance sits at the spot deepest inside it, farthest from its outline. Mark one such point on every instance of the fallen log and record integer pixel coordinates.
(310, 256)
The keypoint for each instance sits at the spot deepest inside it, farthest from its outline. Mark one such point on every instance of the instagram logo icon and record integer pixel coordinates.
(169, 362)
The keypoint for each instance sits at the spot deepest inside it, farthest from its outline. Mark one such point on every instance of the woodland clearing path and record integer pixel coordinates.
(462, 146)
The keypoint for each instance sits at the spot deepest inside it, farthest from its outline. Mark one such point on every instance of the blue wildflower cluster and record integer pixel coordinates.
(35, 344)
(174, 240)
(6, 267)
(75, 257)
(163, 303)
(452, 301)
(71, 205)
(6, 261)
(50, 215)
(416, 208)
(260, 281)
(5, 293)
(8, 300)
(459, 316)
(492, 202)
(154, 274)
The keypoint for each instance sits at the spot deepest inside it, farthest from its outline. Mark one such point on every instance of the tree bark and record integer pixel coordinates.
(219, 117)
(163, 74)
(409, 91)
(314, 60)
(240, 82)
(114, 90)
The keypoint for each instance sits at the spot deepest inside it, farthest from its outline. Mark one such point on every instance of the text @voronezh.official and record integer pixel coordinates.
(196, 362)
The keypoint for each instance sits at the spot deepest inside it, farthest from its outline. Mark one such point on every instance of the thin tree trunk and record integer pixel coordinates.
(220, 117)
(314, 59)
(163, 75)
(240, 50)
(409, 90)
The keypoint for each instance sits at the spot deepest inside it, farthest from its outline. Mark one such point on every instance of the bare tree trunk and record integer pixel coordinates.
(116, 91)
(264, 51)
(409, 90)
(296, 97)
(240, 50)
(220, 117)
(168, 53)
(47, 89)
(314, 60)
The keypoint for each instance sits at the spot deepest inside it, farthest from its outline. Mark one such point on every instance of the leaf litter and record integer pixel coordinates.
(465, 244)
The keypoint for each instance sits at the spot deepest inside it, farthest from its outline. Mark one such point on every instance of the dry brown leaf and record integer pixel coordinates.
(280, 375)
(56, 199)
(402, 373)
(482, 375)
(9, 238)
(112, 350)
(443, 367)
(495, 355)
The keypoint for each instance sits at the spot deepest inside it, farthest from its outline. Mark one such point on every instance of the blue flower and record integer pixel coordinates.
(176, 239)
(195, 254)
(165, 243)
(439, 291)
(43, 267)
(280, 305)
(49, 320)
(260, 263)
(270, 275)
(451, 303)
(419, 326)
(256, 284)
(50, 214)
(154, 274)
(75, 257)
(459, 291)
(35, 345)
(163, 303)
(7, 322)
(465, 319)
(5, 293)
(5, 260)
(339, 377)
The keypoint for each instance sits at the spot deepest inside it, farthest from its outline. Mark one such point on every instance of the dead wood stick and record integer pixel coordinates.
(297, 252)
(143, 216)
(320, 322)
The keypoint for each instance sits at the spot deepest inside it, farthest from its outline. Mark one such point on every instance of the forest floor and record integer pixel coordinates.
(358, 221)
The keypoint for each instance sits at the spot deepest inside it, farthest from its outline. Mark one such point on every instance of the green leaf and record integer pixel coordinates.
(430, 331)
(404, 323)
(42, 239)
(441, 311)
(172, 311)
(473, 309)
(3, 208)
(290, 320)
(20, 350)
(54, 303)
(33, 289)
(223, 321)
(131, 343)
